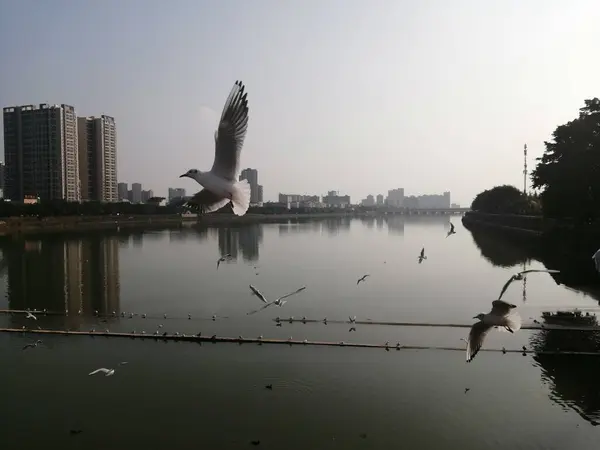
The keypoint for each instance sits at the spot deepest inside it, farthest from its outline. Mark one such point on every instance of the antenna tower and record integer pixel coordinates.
(525, 169)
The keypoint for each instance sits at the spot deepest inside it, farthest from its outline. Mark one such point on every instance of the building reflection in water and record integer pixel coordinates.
(63, 275)
(244, 238)
(329, 225)
(395, 224)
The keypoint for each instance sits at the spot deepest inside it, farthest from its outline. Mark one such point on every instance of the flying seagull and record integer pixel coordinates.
(363, 278)
(107, 372)
(519, 276)
(220, 183)
(451, 230)
(278, 302)
(30, 316)
(422, 255)
(33, 345)
(596, 259)
(500, 316)
(223, 259)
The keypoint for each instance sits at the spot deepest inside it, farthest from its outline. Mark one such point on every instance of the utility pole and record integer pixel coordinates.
(525, 169)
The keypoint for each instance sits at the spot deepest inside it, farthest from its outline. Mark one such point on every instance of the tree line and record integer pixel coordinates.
(566, 177)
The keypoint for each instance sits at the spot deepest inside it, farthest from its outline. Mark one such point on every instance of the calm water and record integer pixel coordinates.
(186, 395)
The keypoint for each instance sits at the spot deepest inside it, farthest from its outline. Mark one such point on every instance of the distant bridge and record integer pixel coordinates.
(425, 212)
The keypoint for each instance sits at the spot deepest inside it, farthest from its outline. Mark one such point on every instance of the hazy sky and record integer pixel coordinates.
(351, 95)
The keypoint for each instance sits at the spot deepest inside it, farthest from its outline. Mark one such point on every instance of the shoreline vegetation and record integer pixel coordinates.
(53, 224)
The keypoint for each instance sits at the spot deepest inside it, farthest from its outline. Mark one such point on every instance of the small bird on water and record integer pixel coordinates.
(501, 316)
(363, 278)
(220, 185)
(519, 276)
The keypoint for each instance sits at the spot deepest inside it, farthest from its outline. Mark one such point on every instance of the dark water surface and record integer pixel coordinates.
(181, 395)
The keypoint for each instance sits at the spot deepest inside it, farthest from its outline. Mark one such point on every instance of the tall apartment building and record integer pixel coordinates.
(136, 193)
(122, 189)
(98, 158)
(40, 151)
(256, 190)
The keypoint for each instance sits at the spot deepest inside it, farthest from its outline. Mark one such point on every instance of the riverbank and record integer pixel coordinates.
(558, 244)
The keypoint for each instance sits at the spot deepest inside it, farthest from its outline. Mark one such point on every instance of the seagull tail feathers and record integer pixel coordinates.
(240, 197)
(513, 321)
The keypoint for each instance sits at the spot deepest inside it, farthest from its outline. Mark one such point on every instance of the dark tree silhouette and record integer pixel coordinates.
(568, 173)
(503, 200)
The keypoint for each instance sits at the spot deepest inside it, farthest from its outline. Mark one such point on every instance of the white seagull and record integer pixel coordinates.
(501, 316)
(30, 316)
(451, 230)
(107, 372)
(33, 345)
(596, 259)
(278, 302)
(220, 183)
(519, 276)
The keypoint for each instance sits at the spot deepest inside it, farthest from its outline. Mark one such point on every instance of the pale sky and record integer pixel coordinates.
(350, 95)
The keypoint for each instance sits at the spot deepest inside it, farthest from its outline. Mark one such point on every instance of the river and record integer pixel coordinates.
(181, 395)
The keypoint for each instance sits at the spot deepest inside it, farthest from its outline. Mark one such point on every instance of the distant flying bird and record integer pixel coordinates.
(351, 319)
(451, 230)
(33, 345)
(220, 183)
(363, 278)
(519, 276)
(422, 255)
(596, 259)
(107, 372)
(501, 316)
(223, 259)
(278, 302)
(30, 316)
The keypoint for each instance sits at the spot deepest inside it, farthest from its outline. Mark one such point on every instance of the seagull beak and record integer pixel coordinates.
(475, 317)
(183, 176)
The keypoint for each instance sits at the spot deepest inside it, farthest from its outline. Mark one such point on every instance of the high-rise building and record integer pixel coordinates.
(98, 158)
(147, 195)
(395, 198)
(122, 189)
(2, 168)
(379, 200)
(176, 193)
(252, 176)
(40, 148)
(260, 193)
(136, 193)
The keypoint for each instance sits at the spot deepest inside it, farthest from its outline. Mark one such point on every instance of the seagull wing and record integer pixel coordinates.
(229, 138)
(102, 369)
(476, 336)
(505, 287)
(258, 294)
(206, 201)
(451, 227)
(423, 252)
(291, 293)
(260, 309)
(501, 308)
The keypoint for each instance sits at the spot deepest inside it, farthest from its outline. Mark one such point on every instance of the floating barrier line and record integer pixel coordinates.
(243, 340)
(540, 326)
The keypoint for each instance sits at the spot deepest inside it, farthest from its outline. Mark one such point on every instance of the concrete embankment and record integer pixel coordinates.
(512, 224)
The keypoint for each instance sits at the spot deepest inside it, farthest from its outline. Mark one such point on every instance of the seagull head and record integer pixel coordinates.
(479, 316)
(192, 173)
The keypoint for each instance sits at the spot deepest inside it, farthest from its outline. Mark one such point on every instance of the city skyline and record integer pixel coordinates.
(433, 96)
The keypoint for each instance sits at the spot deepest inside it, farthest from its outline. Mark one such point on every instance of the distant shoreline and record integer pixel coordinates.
(56, 224)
